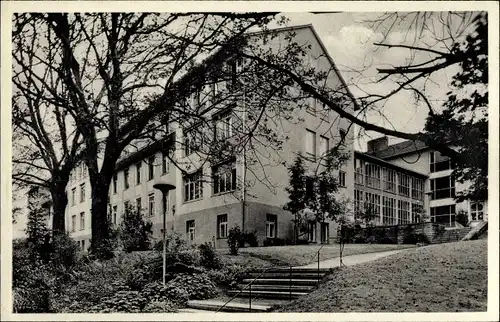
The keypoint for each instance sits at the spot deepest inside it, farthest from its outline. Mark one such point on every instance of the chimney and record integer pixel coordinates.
(378, 144)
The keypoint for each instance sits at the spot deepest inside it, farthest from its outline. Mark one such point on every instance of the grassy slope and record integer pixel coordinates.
(261, 257)
(438, 278)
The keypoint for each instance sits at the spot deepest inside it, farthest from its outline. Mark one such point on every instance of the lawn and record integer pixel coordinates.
(438, 278)
(261, 257)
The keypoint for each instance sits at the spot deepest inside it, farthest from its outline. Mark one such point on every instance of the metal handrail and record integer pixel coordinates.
(267, 270)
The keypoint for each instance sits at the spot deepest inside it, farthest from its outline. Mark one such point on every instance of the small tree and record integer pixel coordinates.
(462, 217)
(36, 227)
(297, 194)
(134, 231)
(367, 214)
(233, 240)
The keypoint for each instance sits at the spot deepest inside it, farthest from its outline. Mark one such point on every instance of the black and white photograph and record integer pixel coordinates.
(221, 159)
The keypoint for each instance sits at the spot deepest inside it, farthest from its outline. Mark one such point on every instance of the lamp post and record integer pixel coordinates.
(164, 188)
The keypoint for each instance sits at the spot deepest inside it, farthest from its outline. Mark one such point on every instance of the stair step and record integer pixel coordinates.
(294, 275)
(280, 281)
(267, 294)
(295, 270)
(277, 287)
(214, 305)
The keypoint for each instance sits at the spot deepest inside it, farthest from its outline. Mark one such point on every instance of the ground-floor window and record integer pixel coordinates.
(404, 216)
(324, 232)
(388, 211)
(477, 211)
(443, 215)
(417, 212)
(222, 226)
(271, 226)
(311, 231)
(191, 230)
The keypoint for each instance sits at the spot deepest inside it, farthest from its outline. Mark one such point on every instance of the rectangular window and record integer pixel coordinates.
(138, 168)
(439, 162)
(372, 175)
(192, 142)
(82, 221)
(151, 167)
(324, 146)
(83, 244)
(115, 214)
(138, 204)
(359, 165)
(404, 212)
(404, 185)
(222, 226)
(311, 231)
(165, 163)
(125, 178)
(417, 189)
(389, 180)
(443, 215)
(193, 186)
(191, 230)
(311, 143)
(388, 211)
(82, 192)
(442, 188)
(73, 223)
(224, 177)
(223, 126)
(271, 226)
(417, 213)
(115, 183)
(477, 210)
(372, 204)
(73, 196)
(151, 209)
(342, 179)
(309, 188)
(358, 203)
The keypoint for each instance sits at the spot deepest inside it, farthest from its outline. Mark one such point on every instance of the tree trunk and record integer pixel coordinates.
(59, 203)
(99, 211)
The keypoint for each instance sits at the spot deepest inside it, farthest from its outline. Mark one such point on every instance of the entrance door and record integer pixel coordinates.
(324, 232)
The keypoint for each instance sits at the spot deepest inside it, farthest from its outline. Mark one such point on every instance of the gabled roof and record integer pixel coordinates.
(399, 149)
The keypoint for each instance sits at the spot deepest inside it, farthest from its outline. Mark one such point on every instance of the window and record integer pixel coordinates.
(309, 188)
(417, 189)
(222, 226)
(73, 223)
(342, 179)
(151, 209)
(115, 212)
(417, 212)
(271, 226)
(191, 230)
(165, 162)
(311, 106)
(224, 177)
(83, 244)
(343, 136)
(389, 180)
(82, 221)
(324, 230)
(372, 201)
(439, 162)
(73, 196)
(389, 211)
(138, 204)
(138, 167)
(223, 126)
(125, 178)
(442, 188)
(323, 146)
(192, 142)
(359, 165)
(311, 231)
(311, 143)
(193, 186)
(372, 175)
(358, 203)
(151, 167)
(115, 182)
(443, 215)
(404, 212)
(404, 185)
(82, 192)
(477, 211)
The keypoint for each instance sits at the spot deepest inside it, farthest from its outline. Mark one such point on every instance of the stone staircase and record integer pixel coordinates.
(267, 289)
(451, 235)
(476, 231)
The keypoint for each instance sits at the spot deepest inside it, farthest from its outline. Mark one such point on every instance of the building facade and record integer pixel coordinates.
(212, 197)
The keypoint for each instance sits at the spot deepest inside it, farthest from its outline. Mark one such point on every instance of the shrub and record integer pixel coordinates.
(197, 286)
(228, 276)
(234, 237)
(250, 239)
(462, 218)
(415, 238)
(65, 250)
(160, 307)
(174, 242)
(274, 242)
(134, 231)
(155, 291)
(122, 301)
(208, 257)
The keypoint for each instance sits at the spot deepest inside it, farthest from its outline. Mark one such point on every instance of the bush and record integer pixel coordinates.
(208, 257)
(155, 291)
(160, 307)
(234, 237)
(65, 250)
(134, 231)
(122, 301)
(462, 218)
(274, 242)
(197, 286)
(229, 276)
(250, 239)
(174, 242)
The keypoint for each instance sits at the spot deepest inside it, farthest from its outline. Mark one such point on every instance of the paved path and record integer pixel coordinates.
(351, 259)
